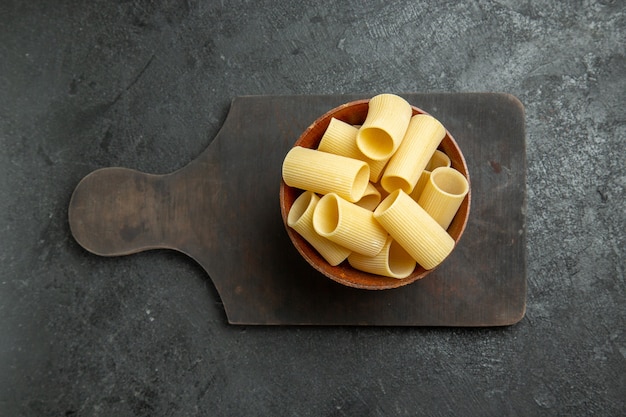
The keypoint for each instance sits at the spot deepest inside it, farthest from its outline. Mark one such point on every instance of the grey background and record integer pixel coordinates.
(146, 85)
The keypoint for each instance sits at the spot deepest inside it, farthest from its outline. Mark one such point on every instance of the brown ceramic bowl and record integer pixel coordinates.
(355, 113)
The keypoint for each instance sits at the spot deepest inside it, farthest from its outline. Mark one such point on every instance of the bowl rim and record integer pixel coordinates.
(352, 112)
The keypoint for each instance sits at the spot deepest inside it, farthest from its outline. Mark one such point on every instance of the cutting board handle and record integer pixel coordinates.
(119, 211)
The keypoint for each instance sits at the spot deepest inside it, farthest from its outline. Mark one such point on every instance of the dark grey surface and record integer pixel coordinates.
(85, 85)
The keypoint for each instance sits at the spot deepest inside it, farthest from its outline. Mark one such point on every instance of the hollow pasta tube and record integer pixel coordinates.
(443, 194)
(439, 159)
(371, 198)
(340, 139)
(324, 173)
(386, 122)
(348, 225)
(420, 142)
(413, 228)
(392, 261)
(300, 218)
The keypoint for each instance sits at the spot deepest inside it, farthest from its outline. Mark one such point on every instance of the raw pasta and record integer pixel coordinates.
(443, 194)
(382, 131)
(340, 139)
(348, 225)
(370, 180)
(323, 173)
(413, 228)
(392, 261)
(371, 198)
(439, 159)
(422, 138)
(300, 218)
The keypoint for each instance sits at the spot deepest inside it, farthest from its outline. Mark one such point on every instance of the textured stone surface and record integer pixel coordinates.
(146, 85)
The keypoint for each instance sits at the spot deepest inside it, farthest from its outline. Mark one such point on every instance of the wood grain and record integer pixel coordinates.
(223, 211)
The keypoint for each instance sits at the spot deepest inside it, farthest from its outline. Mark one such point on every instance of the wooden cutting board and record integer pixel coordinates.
(223, 210)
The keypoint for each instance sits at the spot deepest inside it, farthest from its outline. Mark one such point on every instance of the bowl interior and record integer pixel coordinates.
(354, 113)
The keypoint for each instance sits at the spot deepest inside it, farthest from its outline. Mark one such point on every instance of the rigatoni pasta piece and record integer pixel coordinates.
(300, 218)
(324, 173)
(386, 122)
(348, 225)
(439, 159)
(340, 139)
(371, 198)
(381, 190)
(443, 194)
(420, 142)
(392, 261)
(413, 228)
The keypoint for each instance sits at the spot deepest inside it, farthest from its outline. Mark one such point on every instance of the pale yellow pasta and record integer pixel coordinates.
(300, 218)
(340, 139)
(381, 190)
(419, 187)
(443, 194)
(386, 122)
(413, 228)
(439, 159)
(348, 225)
(323, 173)
(392, 261)
(370, 198)
(420, 142)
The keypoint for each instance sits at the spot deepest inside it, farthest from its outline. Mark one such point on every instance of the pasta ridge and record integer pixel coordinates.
(340, 139)
(386, 122)
(300, 218)
(426, 242)
(423, 136)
